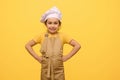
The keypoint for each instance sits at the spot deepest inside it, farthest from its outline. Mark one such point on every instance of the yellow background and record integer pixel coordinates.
(95, 24)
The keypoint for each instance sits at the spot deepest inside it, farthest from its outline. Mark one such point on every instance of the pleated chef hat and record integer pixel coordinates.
(54, 12)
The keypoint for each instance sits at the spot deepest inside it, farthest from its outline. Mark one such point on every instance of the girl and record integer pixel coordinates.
(52, 43)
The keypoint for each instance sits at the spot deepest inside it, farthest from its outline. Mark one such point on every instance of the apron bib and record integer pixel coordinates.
(52, 65)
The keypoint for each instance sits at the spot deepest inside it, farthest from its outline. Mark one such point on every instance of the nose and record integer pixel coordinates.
(52, 25)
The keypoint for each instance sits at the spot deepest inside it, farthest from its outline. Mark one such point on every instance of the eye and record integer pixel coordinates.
(49, 22)
(55, 22)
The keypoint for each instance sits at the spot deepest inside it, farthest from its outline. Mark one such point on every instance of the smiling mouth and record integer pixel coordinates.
(53, 29)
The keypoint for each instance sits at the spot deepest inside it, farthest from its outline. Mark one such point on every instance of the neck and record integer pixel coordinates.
(52, 33)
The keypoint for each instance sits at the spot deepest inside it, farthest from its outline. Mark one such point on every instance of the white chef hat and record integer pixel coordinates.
(54, 12)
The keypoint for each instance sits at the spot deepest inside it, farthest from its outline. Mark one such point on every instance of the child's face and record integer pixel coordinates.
(52, 25)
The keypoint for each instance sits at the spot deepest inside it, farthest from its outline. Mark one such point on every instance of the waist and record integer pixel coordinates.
(52, 56)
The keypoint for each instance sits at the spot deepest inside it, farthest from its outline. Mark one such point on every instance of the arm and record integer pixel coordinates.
(76, 47)
(29, 48)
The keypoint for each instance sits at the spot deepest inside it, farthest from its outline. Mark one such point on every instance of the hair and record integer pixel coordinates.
(59, 22)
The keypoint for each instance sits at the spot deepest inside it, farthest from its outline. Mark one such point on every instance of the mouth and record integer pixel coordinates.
(52, 29)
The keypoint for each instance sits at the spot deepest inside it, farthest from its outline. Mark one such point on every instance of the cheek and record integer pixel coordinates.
(47, 25)
(56, 26)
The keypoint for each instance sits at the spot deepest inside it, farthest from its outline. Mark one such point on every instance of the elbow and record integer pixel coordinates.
(26, 46)
(78, 46)
(29, 44)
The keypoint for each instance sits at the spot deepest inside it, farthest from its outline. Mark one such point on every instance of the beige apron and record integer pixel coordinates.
(52, 65)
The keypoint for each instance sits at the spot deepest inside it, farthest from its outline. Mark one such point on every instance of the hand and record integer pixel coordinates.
(39, 59)
(65, 58)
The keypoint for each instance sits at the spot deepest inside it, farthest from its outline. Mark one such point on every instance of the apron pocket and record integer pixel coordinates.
(58, 62)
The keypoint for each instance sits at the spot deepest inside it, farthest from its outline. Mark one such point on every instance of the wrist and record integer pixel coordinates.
(67, 56)
(38, 58)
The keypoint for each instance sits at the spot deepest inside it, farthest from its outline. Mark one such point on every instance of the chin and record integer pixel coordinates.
(53, 32)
